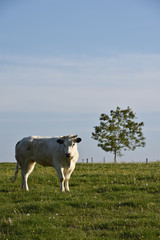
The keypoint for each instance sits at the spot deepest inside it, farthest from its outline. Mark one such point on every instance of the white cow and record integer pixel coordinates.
(58, 152)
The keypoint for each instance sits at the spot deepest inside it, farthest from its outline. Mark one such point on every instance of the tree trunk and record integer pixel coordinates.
(115, 157)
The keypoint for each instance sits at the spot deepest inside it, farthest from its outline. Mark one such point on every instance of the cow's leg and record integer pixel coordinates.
(67, 184)
(67, 177)
(24, 181)
(60, 172)
(31, 166)
(25, 174)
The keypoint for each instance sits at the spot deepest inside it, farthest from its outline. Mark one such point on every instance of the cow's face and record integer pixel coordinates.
(69, 144)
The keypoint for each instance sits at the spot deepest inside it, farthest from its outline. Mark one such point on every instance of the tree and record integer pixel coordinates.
(119, 131)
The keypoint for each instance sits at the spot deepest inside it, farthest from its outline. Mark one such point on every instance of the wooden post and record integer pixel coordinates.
(146, 160)
(86, 160)
(104, 160)
(91, 159)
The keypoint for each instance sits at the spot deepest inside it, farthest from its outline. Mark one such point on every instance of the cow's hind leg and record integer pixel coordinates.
(24, 181)
(25, 174)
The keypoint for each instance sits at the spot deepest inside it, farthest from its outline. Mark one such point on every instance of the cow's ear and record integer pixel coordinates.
(60, 141)
(78, 140)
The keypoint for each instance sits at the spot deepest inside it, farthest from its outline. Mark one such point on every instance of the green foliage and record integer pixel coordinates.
(119, 131)
(106, 201)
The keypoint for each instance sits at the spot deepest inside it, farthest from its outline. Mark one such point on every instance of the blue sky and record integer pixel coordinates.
(63, 63)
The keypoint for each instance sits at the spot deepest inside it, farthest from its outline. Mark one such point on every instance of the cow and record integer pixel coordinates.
(58, 152)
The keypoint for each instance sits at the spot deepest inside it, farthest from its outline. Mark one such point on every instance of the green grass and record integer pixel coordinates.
(107, 201)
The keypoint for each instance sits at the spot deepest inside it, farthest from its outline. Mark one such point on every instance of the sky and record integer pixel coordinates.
(63, 63)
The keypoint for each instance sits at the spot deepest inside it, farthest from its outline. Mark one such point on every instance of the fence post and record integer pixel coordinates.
(146, 160)
(86, 160)
(91, 159)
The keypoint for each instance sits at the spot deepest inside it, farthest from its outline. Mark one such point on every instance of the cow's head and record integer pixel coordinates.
(70, 144)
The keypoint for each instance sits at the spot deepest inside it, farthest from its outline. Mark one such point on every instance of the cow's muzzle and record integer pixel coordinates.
(68, 155)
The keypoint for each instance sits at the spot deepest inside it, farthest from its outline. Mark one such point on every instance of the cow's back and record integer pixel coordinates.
(43, 150)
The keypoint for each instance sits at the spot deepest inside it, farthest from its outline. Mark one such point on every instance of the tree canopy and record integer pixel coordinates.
(118, 132)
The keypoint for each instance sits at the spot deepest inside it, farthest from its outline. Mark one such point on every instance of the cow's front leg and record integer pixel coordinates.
(67, 184)
(61, 177)
(62, 185)
(67, 174)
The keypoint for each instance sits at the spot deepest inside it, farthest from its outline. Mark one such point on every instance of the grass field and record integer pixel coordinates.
(107, 201)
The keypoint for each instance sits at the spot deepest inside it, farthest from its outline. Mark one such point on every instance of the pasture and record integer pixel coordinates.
(106, 201)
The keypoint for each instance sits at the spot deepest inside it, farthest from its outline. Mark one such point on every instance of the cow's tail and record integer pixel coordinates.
(17, 166)
(16, 173)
